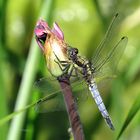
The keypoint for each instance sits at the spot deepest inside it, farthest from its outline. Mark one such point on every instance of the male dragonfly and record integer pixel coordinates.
(104, 61)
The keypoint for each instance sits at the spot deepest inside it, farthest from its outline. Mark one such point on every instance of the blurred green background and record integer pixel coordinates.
(84, 24)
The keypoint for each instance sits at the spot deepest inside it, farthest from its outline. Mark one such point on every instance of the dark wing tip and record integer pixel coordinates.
(116, 14)
(124, 37)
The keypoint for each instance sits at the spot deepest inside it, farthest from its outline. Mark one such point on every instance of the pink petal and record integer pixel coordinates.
(57, 31)
(41, 28)
(42, 22)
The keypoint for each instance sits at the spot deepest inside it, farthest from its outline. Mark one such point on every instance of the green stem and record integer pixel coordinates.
(24, 93)
(3, 106)
(3, 62)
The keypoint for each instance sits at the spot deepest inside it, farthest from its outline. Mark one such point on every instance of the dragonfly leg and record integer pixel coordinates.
(67, 67)
(75, 74)
(71, 68)
(62, 62)
(64, 65)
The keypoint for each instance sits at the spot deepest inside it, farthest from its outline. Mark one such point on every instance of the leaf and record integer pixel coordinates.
(132, 113)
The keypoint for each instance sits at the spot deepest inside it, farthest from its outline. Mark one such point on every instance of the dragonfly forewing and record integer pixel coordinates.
(107, 55)
(105, 44)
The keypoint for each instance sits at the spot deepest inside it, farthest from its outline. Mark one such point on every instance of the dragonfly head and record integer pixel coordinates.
(72, 52)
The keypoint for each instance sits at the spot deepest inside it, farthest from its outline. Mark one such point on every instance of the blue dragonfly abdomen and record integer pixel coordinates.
(99, 102)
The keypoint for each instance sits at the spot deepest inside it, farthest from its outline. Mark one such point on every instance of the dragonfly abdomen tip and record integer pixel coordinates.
(109, 122)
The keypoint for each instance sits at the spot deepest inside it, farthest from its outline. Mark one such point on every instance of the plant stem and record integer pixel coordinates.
(100, 13)
(71, 107)
(24, 93)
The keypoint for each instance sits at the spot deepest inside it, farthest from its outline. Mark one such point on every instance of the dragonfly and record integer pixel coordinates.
(103, 64)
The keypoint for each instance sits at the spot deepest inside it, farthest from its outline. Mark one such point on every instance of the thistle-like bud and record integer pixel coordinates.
(51, 42)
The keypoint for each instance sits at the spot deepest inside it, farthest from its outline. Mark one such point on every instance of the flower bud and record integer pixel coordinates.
(51, 42)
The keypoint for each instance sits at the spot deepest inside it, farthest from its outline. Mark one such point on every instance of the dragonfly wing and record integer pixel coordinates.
(47, 86)
(106, 44)
(108, 66)
(52, 104)
(80, 91)
(55, 102)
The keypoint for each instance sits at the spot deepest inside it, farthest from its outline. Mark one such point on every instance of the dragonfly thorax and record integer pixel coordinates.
(82, 63)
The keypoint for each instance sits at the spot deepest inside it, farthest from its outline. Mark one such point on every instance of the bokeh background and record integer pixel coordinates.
(84, 24)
